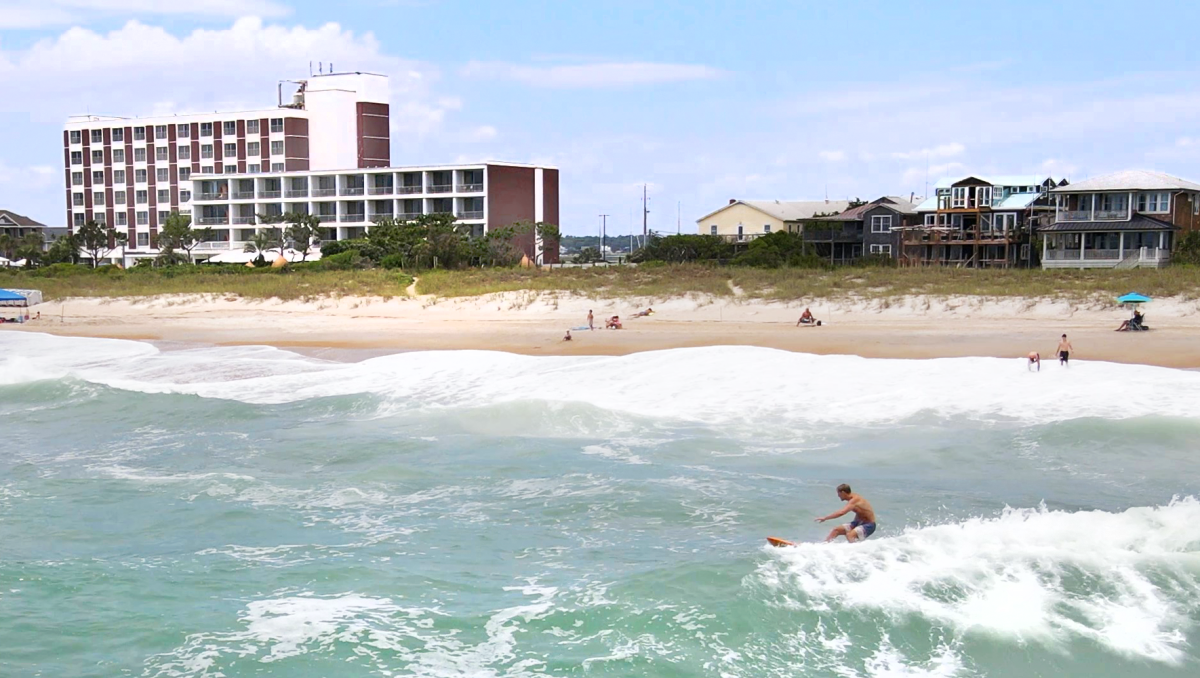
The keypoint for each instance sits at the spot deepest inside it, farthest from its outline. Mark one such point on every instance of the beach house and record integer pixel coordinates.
(1126, 219)
(744, 220)
(978, 222)
(870, 229)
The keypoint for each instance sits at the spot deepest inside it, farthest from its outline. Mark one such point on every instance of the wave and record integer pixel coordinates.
(1128, 582)
(725, 386)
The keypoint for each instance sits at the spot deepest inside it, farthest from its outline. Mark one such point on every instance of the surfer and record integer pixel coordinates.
(1064, 350)
(863, 524)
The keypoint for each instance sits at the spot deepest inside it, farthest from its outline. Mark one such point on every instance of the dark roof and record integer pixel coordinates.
(21, 220)
(897, 205)
(1139, 222)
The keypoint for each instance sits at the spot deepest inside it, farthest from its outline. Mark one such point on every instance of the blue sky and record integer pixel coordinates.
(701, 101)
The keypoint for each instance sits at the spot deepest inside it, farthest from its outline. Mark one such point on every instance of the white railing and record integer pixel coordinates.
(212, 221)
(380, 190)
(353, 190)
(352, 218)
(243, 195)
(470, 188)
(297, 193)
(268, 194)
(409, 190)
(441, 188)
(323, 192)
(470, 214)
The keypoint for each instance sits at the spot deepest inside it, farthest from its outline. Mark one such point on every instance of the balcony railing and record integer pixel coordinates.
(1098, 215)
(243, 195)
(352, 218)
(243, 220)
(470, 214)
(409, 190)
(352, 190)
(323, 192)
(441, 188)
(326, 218)
(212, 196)
(382, 215)
(213, 221)
(209, 245)
(297, 193)
(268, 194)
(380, 190)
(410, 216)
(470, 188)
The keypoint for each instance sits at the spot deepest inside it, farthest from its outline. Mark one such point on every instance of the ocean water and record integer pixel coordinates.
(249, 511)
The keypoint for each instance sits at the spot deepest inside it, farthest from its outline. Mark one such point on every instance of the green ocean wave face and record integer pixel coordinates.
(247, 511)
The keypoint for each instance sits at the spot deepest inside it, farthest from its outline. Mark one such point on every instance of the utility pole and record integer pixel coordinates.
(645, 213)
(679, 217)
(603, 229)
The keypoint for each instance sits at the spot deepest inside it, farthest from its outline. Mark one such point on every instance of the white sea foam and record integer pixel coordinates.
(1125, 581)
(730, 387)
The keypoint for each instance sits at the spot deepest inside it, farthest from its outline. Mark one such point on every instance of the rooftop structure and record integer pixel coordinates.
(742, 220)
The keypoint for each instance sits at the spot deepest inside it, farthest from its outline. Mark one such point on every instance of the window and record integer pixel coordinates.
(77, 199)
(160, 131)
(185, 196)
(276, 148)
(76, 178)
(78, 219)
(143, 218)
(118, 176)
(930, 219)
(119, 198)
(143, 239)
(252, 149)
(76, 157)
(958, 197)
(118, 135)
(276, 167)
(185, 173)
(984, 196)
(881, 249)
(100, 218)
(97, 177)
(76, 137)
(139, 176)
(251, 127)
(164, 195)
(230, 168)
(97, 136)
(230, 150)
(207, 169)
(122, 219)
(1154, 202)
(206, 129)
(183, 131)
(1004, 223)
(141, 197)
(766, 228)
(162, 175)
(881, 223)
(163, 215)
(276, 125)
(712, 230)
(98, 157)
(160, 154)
(252, 169)
(185, 152)
(119, 155)
(206, 151)
(229, 128)
(139, 155)
(139, 133)
(97, 197)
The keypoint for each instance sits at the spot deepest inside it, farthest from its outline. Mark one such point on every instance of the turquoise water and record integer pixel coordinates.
(252, 512)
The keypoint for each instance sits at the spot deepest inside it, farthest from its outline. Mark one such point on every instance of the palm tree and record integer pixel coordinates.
(259, 243)
(6, 245)
(29, 248)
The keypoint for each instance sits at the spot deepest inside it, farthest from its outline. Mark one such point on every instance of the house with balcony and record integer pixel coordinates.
(744, 220)
(978, 222)
(869, 229)
(1127, 219)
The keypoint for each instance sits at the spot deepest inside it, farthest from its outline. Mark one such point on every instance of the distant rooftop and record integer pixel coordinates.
(996, 180)
(1130, 180)
(788, 210)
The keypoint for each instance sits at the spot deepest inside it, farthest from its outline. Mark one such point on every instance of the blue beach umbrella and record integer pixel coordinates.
(1133, 298)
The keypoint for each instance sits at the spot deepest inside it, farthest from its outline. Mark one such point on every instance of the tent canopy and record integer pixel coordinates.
(9, 295)
(1133, 298)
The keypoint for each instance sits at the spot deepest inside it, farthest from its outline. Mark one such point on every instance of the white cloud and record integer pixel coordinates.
(917, 175)
(46, 13)
(613, 74)
(833, 156)
(940, 151)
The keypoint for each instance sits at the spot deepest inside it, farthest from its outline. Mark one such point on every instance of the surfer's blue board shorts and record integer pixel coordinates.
(863, 530)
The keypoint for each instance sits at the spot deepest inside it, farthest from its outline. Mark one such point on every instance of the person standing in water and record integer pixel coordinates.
(1035, 358)
(863, 524)
(1064, 351)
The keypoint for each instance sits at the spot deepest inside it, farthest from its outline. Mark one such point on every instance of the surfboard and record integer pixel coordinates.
(776, 541)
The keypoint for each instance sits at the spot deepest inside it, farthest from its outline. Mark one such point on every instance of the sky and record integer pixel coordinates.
(701, 102)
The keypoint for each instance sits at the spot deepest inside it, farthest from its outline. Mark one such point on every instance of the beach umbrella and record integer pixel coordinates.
(1133, 298)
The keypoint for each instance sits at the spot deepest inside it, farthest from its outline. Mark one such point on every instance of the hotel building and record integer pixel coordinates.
(324, 149)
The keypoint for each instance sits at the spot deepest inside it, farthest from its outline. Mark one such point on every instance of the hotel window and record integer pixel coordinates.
(185, 173)
(97, 198)
(276, 148)
(162, 175)
(143, 239)
(139, 133)
(881, 249)
(76, 137)
(100, 218)
(164, 195)
(229, 168)
(76, 158)
(119, 198)
(118, 135)
(183, 131)
(98, 157)
(143, 218)
(251, 127)
(252, 149)
(230, 150)
(118, 176)
(141, 197)
(206, 129)
(160, 131)
(185, 196)
(160, 154)
(97, 136)
(78, 219)
(206, 151)
(76, 178)
(206, 169)
(1154, 202)
(185, 152)
(119, 155)
(881, 223)
(253, 169)
(276, 125)
(97, 177)
(122, 219)
(77, 199)
(229, 128)
(139, 155)
(276, 167)
(163, 215)
(139, 176)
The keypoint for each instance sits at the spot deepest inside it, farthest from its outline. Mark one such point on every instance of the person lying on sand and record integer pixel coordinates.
(1035, 358)
(806, 318)
(643, 314)
(863, 524)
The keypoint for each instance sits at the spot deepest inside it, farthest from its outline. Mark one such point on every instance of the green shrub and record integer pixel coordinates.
(392, 261)
(62, 270)
(342, 261)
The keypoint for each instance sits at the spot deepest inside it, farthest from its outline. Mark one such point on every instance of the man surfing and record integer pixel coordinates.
(863, 524)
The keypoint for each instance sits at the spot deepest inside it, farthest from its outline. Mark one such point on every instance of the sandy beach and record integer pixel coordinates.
(528, 323)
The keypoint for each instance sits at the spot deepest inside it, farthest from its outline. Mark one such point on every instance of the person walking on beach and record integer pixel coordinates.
(1064, 351)
(591, 320)
(863, 524)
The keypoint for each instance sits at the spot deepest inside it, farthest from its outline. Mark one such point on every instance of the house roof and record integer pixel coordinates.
(1130, 180)
(996, 180)
(1017, 201)
(928, 204)
(894, 203)
(1139, 222)
(787, 210)
(10, 219)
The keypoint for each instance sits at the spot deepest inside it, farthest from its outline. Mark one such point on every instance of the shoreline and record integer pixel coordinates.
(534, 324)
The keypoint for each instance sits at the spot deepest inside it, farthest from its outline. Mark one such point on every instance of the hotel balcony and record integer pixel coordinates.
(379, 190)
(441, 188)
(243, 220)
(471, 214)
(296, 193)
(358, 217)
(212, 196)
(323, 192)
(470, 188)
(352, 190)
(381, 215)
(409, 190)
(213, 221)
(243, 195)
(268, 194)
(327, 218)
(409, 216)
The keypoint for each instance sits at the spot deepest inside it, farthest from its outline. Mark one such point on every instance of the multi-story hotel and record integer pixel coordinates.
(324, 150)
